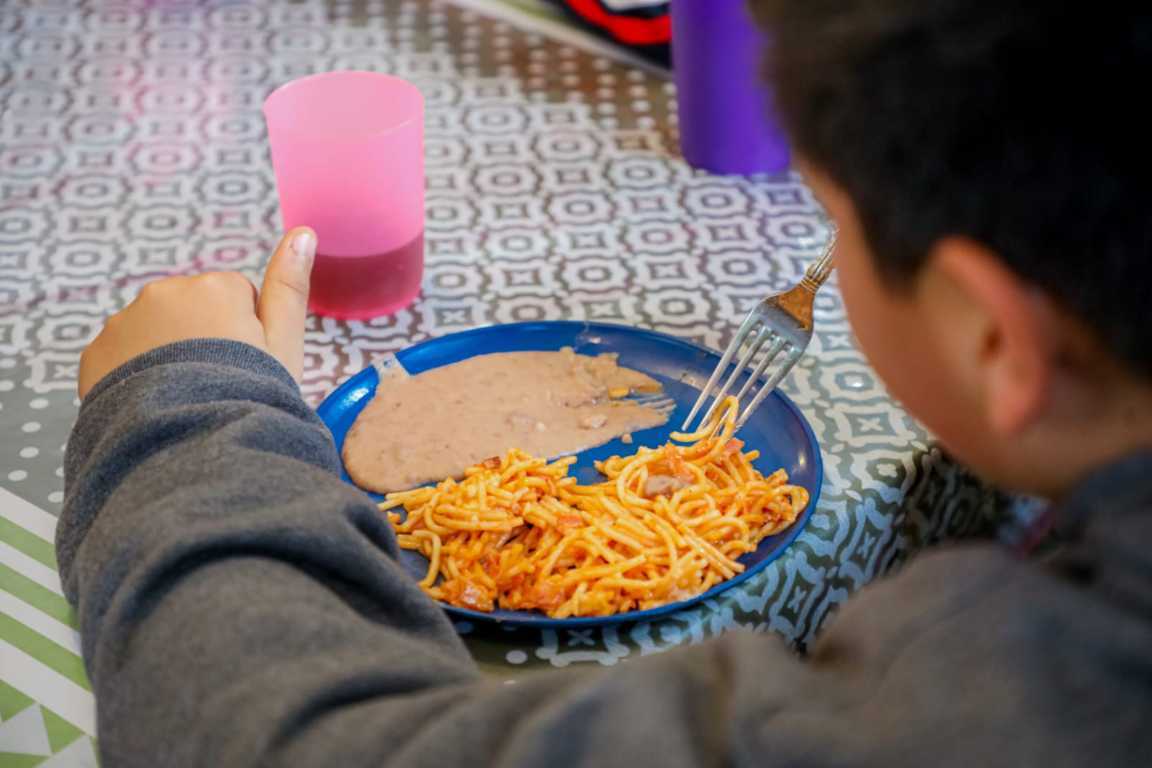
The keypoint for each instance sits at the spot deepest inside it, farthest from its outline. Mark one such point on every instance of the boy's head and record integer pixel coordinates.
(987, 162)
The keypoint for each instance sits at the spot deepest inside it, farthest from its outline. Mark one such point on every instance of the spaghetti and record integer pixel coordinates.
(666, 524)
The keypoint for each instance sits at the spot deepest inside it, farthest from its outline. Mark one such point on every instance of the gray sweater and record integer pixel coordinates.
(241, 606)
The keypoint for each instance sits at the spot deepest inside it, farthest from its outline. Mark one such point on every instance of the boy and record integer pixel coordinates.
(241, 606)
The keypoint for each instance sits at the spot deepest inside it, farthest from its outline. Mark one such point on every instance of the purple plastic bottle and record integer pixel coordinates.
(726, 122)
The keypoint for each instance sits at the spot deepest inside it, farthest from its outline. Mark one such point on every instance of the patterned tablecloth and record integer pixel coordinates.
(132, 146)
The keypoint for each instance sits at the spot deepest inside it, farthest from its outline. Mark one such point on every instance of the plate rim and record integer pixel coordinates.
(542, 621)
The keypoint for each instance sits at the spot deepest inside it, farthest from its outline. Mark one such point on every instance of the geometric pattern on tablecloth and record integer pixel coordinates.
(132, 147)
(34, 734)
(46, 704)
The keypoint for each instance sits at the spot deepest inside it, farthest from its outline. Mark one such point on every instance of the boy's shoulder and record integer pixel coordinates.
(968, 656)
(1098, 572)
(1022, 660)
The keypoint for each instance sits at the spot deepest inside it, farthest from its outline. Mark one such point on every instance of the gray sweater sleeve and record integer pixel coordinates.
(240, 606)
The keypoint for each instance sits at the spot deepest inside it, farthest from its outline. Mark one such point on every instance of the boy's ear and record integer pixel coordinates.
(1005, 333)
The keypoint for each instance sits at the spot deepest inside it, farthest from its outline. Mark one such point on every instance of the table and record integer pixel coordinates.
(132, 146)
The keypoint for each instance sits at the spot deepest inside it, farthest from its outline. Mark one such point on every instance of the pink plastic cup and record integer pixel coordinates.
(348, 152)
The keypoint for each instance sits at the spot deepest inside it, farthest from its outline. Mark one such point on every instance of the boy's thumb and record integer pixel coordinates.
(283, 304)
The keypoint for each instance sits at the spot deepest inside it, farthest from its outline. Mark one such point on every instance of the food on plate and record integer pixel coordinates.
(667, 523)
(436, 424)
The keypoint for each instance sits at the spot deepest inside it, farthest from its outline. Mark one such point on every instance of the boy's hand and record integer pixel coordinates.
(215, 305)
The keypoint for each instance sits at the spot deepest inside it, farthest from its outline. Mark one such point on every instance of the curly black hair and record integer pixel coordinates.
(1018, 123)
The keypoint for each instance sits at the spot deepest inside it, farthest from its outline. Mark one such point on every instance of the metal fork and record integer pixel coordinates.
(783, 323)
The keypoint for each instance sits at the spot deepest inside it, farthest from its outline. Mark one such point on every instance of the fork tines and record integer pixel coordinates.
(761, 340)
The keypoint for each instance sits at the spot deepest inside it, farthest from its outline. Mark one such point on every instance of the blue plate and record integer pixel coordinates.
(777, 429)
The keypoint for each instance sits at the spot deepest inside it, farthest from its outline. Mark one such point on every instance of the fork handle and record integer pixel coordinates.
(818, 272)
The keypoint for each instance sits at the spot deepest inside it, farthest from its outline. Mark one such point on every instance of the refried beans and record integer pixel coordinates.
(434, 425)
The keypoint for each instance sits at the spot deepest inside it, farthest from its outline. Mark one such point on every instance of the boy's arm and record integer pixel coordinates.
(239, 603)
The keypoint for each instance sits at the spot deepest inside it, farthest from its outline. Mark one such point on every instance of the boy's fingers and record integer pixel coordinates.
(283, 303)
